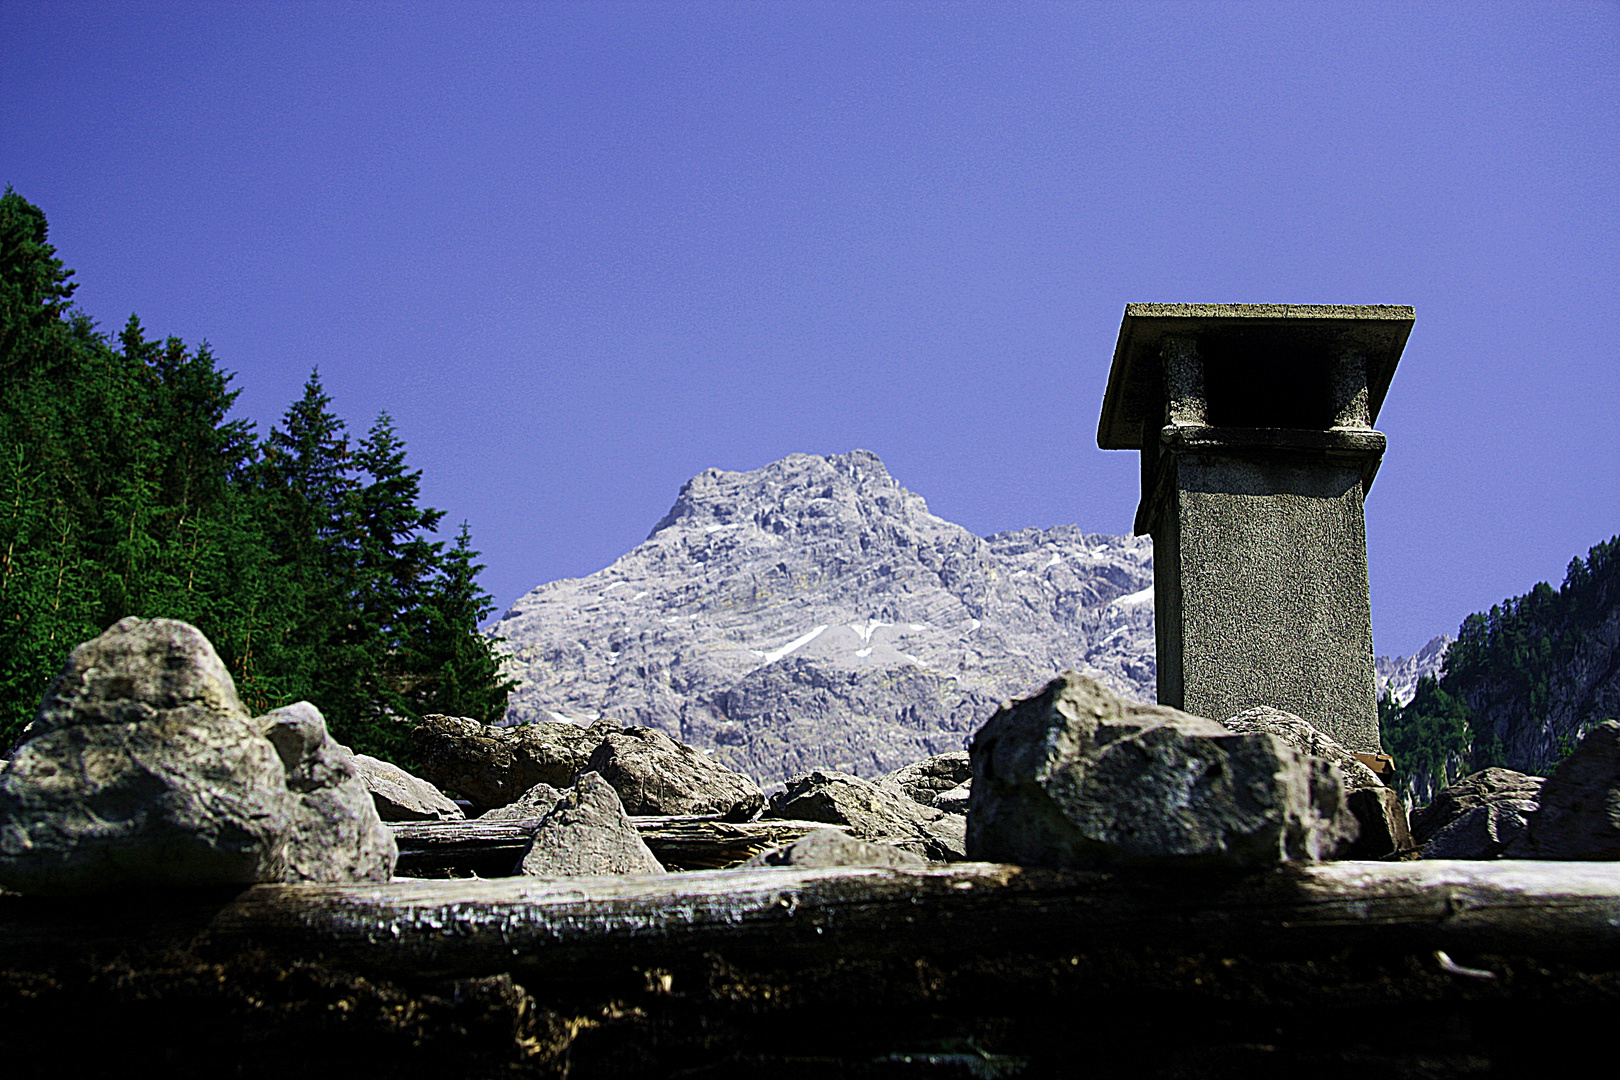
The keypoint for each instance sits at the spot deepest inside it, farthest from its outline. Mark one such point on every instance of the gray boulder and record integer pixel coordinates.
(143, 769)
(924, 781)
(1482, 816)
(654, 774)
(532, 805)
(956, 800)
(1485, 832)
(1380, 815)
(1579, 815)
(335, 834)
(1077, 777)
(399, 796)
(587, 833)
(830, 847)
(492, 766)
(875, 812)
(1304, 737)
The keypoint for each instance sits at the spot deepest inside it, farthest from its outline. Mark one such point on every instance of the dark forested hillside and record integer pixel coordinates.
(126, 489)
(1522, 683)
(1538, 670)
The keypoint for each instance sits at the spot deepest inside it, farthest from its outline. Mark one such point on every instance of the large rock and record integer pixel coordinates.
(830, 847)
(1579, 815)
(1307, 739)
(335, 834)
(957, 799)
(875, 812)
(587, 833)
(1381, 818)
(142, 768)
(492, 766)
(1077, 777)
(924, 781)
(654, 774)
(1380, 815)
(400, 796)
(532, 805)
(1482, 816)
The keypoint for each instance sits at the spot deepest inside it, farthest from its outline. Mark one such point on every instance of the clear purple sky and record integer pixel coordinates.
(584, 251)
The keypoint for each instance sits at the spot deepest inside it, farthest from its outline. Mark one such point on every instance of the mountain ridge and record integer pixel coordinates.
(813, 613)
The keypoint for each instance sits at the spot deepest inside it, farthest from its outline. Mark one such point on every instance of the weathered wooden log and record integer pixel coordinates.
(438, 849)
(707, 843)
(480, 927)
(491, 849)
(475, 928)
(1439, 962)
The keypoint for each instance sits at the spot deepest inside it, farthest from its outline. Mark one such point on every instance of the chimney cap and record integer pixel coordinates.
(1379, 330)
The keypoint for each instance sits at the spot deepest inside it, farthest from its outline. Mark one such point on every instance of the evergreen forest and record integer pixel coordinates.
(306, 557)
(1521, 685)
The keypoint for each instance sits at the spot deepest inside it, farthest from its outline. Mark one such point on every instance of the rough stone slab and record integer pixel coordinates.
(830, 847)
(492, 766)
(399, 796)
(334, 833)
(923, 781)
(1579, 814)
(1305, 738)
(1382, 818)
(587, 833)
(142, 769)
(533, 804)
(875, 812)
(654, 774)
(1479, 816)
(1074, 777)
(956, 800)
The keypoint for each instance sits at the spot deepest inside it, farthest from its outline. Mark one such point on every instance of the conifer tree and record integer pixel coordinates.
(466, 671)
(304, 488)
(126, 489)
(35, 293)
(395, 563)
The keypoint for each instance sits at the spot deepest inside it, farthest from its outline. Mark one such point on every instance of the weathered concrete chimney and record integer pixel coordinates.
(1255, 427)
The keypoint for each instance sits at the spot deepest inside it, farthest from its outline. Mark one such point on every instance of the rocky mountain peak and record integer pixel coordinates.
(813, 614)
(1398, 675)
(800, 497)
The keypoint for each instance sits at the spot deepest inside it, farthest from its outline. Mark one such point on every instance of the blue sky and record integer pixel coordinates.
(581, 252)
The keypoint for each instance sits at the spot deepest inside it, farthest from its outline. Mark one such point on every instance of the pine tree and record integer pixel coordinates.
(395, 562)
(466, 677)
(126, 489)
(35, 293)
(46, 603)
(1428, 737)
(302, 489)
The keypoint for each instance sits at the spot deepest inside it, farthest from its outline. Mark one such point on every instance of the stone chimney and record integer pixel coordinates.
(1255, 426)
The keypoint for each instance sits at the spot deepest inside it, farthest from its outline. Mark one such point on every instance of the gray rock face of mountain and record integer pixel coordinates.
(1400, 674)
(812, 614)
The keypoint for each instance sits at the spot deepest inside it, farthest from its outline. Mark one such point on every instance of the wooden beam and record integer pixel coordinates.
(472, 928)
(491, 849)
